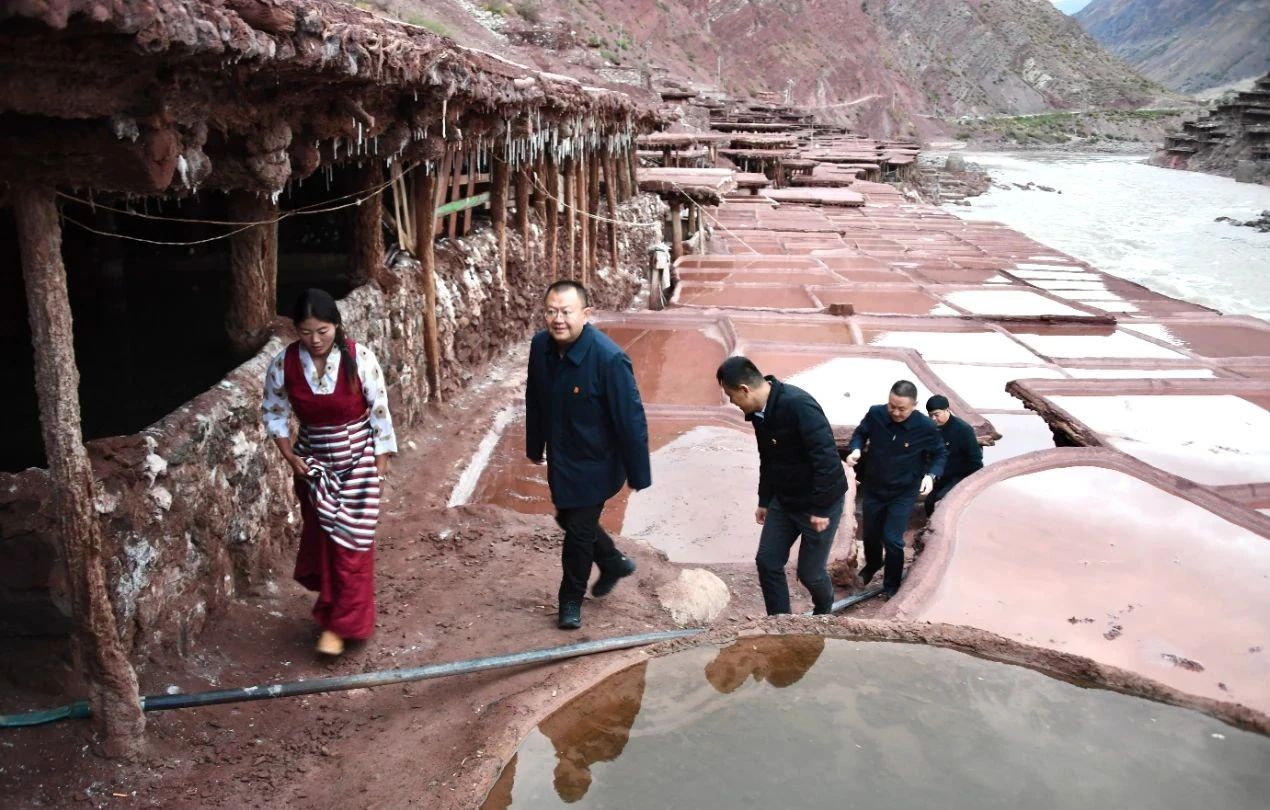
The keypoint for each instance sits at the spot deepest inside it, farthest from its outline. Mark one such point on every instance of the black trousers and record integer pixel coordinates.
(781, 530)
(885, 519)
(585, 543)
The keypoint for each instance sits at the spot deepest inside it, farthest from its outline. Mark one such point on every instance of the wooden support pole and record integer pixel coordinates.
(610, 194)
(456, 188)
(498, 212)
(693, 220)
(623, 182)
(253, 262)
(427, 187)
(593, 207)
(539, 182)
(676, 233)
(473, 168)
(368, 230)
(112, 682)
(616, 178)
(522, 207)
(553, 217)
(624, 165)
(441, 185)
(632, 162)
(582, 271)
(570, 218)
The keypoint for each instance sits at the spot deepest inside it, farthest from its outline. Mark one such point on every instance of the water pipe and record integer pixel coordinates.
(847, 601)
(154, 703)
(854, 599)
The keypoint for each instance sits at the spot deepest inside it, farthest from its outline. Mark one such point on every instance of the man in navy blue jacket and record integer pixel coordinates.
(583, 409)
(801, 485)
(903, 455)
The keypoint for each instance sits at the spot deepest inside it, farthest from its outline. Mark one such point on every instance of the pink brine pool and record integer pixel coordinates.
(1105, 565)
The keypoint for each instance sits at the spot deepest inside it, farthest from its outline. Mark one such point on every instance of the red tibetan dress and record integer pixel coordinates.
(339, 500)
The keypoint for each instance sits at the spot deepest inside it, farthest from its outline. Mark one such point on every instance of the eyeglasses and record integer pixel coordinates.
(552, 314)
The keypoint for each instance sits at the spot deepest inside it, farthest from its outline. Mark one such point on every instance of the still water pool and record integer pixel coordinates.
(805, 722)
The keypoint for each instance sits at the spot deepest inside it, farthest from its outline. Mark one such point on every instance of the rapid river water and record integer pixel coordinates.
(1147, 224)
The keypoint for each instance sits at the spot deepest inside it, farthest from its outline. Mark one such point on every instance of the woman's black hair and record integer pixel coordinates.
(318, 304)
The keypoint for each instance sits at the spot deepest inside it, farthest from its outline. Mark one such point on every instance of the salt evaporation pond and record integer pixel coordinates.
(1143, 223)
(803, 721)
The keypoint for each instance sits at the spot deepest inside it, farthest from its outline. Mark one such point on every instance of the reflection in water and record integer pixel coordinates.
(779, 660)
(830, 723)
(500, 796)
(593, 728)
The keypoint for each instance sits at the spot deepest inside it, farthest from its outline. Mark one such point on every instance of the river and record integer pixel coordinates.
(1143, 223)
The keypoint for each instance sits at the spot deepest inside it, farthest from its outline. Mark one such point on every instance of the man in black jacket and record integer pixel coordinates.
(582, 408)
(904, 455)
(965, 456)
(801, 485)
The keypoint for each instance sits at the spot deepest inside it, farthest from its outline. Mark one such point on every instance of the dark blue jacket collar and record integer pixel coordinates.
(577, 351)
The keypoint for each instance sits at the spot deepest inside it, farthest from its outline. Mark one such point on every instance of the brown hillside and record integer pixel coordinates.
(1184, 44)
(890, 66)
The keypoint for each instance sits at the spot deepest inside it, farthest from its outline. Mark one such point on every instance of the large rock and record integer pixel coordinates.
(695, 598)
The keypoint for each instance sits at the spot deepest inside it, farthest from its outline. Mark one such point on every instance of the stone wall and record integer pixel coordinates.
(199, 509)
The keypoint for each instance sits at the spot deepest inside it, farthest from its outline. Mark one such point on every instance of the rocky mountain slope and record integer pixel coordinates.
(891, 66)
(1185, 44)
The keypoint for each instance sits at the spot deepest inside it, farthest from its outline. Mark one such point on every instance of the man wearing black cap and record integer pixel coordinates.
(965, 456)
(905, 455)
(801, 485)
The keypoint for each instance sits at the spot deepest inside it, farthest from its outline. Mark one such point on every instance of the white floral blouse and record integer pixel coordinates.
(277, 407)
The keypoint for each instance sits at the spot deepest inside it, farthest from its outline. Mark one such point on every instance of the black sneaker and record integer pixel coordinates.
(888, 594)
(570, 616)
(867, 572)
(608, 579)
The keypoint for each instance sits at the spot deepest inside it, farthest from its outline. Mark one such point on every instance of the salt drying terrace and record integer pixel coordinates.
(1142, 547)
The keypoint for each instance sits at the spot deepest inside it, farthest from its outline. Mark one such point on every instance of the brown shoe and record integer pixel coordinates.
(330, 644)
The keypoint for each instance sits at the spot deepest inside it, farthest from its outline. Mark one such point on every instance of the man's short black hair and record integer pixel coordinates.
(904, 388)
(738, 371)
(568, 284)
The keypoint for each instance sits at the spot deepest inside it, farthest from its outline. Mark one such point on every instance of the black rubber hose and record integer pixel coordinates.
(855, 598)
(154, 703)
(847, 601)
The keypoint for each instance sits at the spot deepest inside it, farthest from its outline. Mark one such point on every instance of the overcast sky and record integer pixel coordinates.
(1070, 6)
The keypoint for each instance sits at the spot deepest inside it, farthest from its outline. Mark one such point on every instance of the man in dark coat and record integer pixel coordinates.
(965, 456)
(582, 408)
(903, 454)
(801, 484)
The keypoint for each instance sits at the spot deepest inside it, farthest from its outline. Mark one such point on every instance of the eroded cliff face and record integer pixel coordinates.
(1020, 56)
(887, 66)
(1183, 44)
